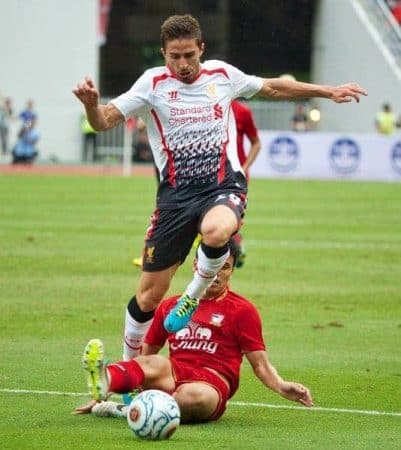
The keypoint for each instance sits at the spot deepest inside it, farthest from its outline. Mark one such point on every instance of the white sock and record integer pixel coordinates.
(206, 270)
(134, 332)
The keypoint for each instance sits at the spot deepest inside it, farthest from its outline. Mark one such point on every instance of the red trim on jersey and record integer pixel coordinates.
(222, 169)
(160, 78)
(171, 169)
(153, 222)
(164, 76)
(171, 74)
(211, 72)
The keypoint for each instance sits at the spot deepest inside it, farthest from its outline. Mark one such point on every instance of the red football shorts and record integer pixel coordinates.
(186, 373)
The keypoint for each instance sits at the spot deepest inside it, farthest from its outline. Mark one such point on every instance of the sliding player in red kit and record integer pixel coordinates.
(203, 368)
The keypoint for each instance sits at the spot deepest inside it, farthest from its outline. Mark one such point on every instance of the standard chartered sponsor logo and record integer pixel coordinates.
(194, 115)
(175, 121)
(193, 110)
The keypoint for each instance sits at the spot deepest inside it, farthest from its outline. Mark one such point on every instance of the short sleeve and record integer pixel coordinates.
(136, 100)
(243, 85)
(249, 330)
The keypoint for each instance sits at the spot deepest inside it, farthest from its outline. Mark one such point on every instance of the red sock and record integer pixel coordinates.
(125, 376)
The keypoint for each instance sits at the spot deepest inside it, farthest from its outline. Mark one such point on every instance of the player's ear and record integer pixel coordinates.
(162, 52)
(201, 48)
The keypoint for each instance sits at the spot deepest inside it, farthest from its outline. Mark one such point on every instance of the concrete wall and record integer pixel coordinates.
(46, 47)
(344, 50)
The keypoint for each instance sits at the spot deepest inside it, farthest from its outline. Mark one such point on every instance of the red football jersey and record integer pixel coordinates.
(245, 127)
(220, 331)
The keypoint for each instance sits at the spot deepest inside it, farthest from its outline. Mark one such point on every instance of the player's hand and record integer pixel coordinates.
(85, 409)
(87, 93)
(347, 92)
(296, 392)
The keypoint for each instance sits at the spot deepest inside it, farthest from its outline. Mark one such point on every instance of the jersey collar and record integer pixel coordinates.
(172, 74)
(219, 297)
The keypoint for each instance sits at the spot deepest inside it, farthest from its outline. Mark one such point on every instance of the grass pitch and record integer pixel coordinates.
(323, 267)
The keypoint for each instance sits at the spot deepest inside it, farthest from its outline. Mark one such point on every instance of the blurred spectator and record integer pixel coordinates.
(89, 140)
(6, 113)
(140, 143)
(25, 149)
(246, 127)
(300, 121)
(28, 115)
(385, 120)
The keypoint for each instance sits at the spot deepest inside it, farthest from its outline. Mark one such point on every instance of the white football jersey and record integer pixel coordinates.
(191, 127)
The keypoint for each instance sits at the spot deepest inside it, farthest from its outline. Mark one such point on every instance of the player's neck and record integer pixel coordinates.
(218, 297)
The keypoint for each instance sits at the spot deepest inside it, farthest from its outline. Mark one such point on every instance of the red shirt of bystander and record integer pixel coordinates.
(245, 127)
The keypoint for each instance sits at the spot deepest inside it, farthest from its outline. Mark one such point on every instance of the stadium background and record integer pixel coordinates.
(47, 46)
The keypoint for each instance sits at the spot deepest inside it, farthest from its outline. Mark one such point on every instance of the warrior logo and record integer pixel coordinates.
(172, 96)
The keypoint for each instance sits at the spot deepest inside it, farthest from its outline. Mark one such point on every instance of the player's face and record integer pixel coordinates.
(183, 58)
(222, 279)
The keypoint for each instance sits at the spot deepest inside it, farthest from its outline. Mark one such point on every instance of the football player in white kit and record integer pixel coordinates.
(186, 106)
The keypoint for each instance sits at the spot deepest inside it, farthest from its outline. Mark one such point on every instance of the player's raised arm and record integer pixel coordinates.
(269, 376)
(285, 89)
(101, 117)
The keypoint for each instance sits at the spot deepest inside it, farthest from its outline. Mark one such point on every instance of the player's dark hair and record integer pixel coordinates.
(180, 27)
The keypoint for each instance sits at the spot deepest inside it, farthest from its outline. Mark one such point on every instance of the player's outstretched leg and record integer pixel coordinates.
(181, 314)
(209, 261)
(93, 363)
(110, 409)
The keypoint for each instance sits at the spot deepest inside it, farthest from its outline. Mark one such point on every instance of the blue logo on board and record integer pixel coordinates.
(283, 154)
(396, 157)
(345, 155)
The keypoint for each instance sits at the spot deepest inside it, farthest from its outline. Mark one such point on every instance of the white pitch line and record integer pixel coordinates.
(233, 403)
(318, 408)
(30, 391)
(394, 246)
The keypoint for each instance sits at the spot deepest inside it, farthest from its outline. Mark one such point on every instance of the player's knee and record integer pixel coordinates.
(216, 235)
(153, 365)
(150, 295)
(148, 301)
(196, 403)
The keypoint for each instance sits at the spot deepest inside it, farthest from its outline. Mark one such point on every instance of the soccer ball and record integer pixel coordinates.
(153, 415)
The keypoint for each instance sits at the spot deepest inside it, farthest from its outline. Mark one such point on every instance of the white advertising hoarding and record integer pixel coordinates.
(356, 156)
